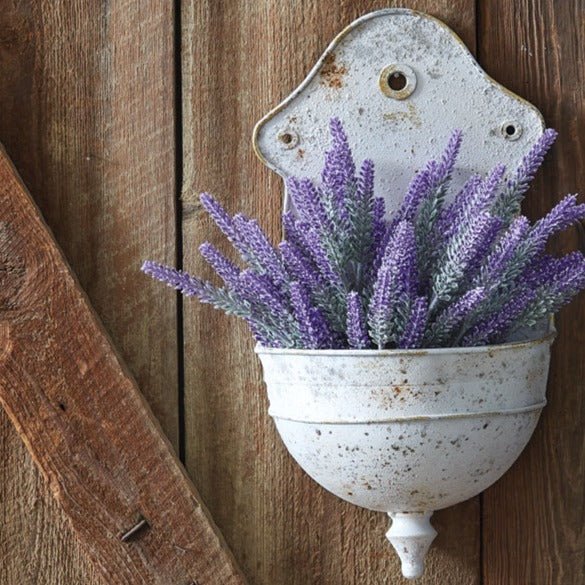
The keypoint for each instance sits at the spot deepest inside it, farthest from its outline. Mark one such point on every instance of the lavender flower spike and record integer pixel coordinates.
(339, 169)
(315, 331)
(502, 253)
(560, 217)
(462, 253)
(508, 203)
(454, 317)
(190, 286)
(219, 215)
(177, 279)
(395, 285)
(450, 155)
(225, 268)
(494, 326)
(415, 328)
(298, 266)
(259, 251)
(357, 332)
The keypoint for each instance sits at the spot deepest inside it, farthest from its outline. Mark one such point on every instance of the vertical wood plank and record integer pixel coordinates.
(86, 112)
(239, 59)
(534, 517)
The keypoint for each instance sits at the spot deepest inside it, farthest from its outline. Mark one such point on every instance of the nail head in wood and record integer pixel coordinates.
(134, 532)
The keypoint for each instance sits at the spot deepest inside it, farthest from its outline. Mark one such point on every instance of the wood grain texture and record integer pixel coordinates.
(534, 518)
(86, 112)
(86, 423)
(239, 60)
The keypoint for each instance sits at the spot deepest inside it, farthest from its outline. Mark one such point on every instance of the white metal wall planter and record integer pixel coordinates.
(404, 432)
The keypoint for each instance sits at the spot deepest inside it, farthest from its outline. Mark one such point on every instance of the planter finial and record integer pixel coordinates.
(411, 535)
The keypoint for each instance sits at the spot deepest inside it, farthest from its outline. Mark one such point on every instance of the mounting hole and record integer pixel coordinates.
(397, 81)
(288, 139)
(511, 130)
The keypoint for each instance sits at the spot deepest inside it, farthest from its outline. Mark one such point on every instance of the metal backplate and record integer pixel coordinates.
(401, 82)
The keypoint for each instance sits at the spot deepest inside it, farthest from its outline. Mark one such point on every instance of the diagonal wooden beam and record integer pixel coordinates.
(85, 422)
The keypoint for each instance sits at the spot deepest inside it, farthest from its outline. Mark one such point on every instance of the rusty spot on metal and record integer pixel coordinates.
(331, 72)
(410, 115)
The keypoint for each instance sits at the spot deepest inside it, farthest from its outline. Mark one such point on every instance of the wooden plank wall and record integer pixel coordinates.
(105, 109)
(87, 114)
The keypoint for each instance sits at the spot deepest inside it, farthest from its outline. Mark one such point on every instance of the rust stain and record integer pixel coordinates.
(410, 115)
(331, 72)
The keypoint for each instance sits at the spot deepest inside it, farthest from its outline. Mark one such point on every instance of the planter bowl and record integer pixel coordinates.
(407, 432)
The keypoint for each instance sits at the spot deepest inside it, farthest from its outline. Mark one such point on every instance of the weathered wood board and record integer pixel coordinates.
(85, 422)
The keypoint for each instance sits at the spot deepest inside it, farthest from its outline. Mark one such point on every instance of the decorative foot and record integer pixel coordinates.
(411, 535)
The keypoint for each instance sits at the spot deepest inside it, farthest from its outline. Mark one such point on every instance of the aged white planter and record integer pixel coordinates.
(403, 432)
(407, 432)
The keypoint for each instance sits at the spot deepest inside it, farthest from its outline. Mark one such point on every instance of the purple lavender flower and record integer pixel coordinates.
(456, 213)
(495, 325)
(378, 223)
(450, 155)
(259, 252)
(365, 187)
(415, 328)
(562, 215)
(468, 273)
(550, 270)
(308, 204)
(453, 317)
(484, 244)
(428, 241)
(314, 328)
(185, 283)
(259, 289)
(461, 257)
(419, 189)
(299, 267)
(226, 269)
(502, 253)
(262, 335)
(219, 215)
(357, 331)
(189, 285)
(508, 203)
(293, 230)
(339, 169)
(395, 286)
(319, 256)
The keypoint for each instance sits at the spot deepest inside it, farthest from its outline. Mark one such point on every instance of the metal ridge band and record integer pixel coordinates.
(413, 418)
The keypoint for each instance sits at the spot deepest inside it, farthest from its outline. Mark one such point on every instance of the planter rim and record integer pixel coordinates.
(546, 338)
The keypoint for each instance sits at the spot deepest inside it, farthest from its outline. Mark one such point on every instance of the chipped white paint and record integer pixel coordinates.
(407, 432)
(403, 432)
(449, 90)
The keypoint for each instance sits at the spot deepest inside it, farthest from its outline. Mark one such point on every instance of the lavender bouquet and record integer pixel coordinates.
(471, 271)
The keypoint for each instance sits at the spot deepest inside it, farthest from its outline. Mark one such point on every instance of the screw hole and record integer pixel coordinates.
(397, 81)
(288, 139)
(511, 130)
(62, 406)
